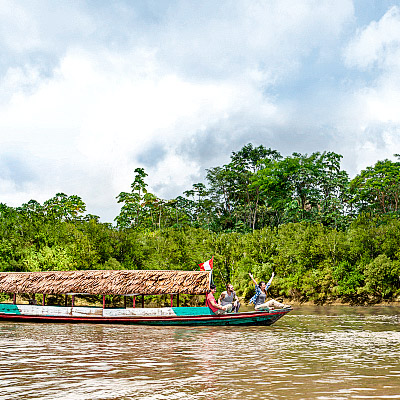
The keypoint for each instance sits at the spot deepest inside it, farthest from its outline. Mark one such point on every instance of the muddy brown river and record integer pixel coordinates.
(322, 353)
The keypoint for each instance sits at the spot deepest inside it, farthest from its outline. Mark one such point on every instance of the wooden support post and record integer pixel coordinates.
(172, 300)
(177, 300)
(134, 302)
(44, 297)
(15, 298)
(104, 301)
(142, 300)
(124, 301)
(73, 301)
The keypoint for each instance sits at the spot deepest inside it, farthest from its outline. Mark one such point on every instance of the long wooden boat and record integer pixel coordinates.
(124, 283)
(131, 316)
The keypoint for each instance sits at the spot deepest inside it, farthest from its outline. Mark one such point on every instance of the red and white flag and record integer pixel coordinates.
(208, 265)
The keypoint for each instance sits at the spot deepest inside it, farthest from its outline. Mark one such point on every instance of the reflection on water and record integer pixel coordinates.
(312, 353)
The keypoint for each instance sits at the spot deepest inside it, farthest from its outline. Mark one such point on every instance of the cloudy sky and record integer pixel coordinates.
(91, 90)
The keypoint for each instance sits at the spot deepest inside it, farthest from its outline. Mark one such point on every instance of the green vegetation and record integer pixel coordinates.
(328, 238)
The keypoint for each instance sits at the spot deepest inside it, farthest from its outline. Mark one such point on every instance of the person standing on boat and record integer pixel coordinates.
(260, 298)
(229, 297)
(213, 305)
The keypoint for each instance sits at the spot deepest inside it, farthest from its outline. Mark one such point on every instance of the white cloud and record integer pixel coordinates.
(18, 31)
(378, 44)
(36, 27)
(94, 93)
(90, 122)
(371, 110)
(235, 37)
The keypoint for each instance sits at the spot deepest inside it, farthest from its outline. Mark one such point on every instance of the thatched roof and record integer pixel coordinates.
(105, 282)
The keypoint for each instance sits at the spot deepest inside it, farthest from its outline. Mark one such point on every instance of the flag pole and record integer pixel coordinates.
(212, 263)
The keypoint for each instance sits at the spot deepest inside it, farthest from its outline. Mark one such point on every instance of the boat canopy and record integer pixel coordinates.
(106, 282)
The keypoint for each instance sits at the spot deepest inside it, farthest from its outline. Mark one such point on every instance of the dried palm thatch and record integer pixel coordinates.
(106, 282)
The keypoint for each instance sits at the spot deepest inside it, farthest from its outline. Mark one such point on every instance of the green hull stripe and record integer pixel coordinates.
(9, 309)
(184, 311)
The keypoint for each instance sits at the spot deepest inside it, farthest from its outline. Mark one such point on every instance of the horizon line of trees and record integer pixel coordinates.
(260, 188)
(328, 238)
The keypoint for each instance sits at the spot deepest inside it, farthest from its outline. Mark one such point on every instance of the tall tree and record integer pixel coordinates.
(202, 210)
(302, 187)
(131, 211)
(377, 189)
(246, 163)
(235, 194)
(62, 207)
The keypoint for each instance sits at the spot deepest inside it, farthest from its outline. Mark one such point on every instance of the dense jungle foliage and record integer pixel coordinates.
(327, 238)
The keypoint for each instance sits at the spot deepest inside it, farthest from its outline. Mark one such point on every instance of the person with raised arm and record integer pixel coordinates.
(260, 298)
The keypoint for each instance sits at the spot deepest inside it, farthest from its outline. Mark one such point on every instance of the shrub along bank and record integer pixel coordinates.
(312, 262)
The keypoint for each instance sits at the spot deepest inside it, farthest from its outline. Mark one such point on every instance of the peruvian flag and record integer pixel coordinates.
(208, 265)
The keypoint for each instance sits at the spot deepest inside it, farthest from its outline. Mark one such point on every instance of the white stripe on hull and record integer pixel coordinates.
(25, 309)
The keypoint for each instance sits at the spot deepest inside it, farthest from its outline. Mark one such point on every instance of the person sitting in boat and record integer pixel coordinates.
(213, 305)
(260, 298)
(229, 297)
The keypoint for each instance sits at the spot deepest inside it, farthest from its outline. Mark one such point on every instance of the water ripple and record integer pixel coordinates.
(312, 353)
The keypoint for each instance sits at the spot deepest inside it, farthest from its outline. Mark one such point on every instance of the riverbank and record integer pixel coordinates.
(295, 303)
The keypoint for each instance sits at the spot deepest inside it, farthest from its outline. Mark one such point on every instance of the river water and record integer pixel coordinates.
(312, 353)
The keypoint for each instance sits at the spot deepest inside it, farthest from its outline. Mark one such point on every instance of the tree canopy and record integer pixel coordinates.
(327, 238)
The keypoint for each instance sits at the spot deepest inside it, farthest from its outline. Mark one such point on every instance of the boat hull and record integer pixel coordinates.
(173, 316)
(239, 319)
